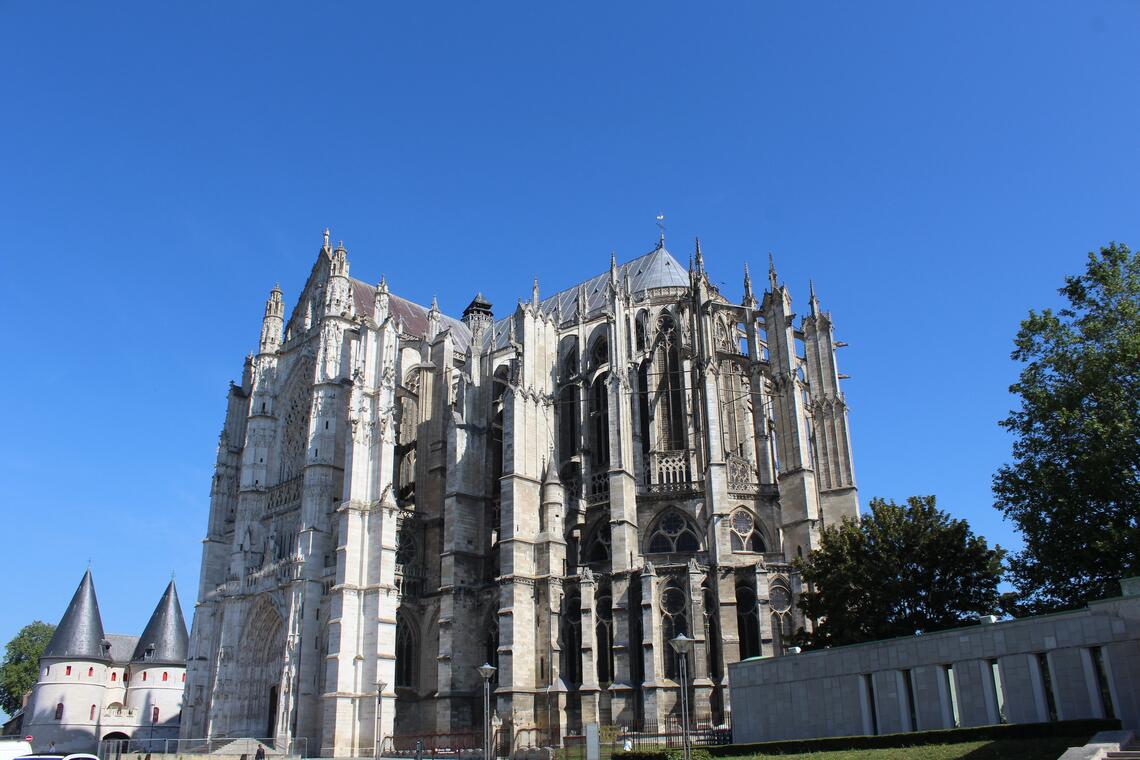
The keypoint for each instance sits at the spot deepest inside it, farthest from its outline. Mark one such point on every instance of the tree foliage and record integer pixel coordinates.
(1073, 487)
(901, 570)
(20, 667)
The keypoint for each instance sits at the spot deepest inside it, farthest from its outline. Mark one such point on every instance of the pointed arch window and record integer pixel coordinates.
(600, 419)
(570, 362)
(154, 715)
(90, 672)
(641, 330)
(91, 715)
(600, 352)
(405, 655)
(673, 533)
(491, 644)
(571, 638)
(747, 619)
(598, 549)
(568, 415)
(604, 634)
(59, 711)
(114, 676)
(674, 621)
(669, 386)
(745, 535)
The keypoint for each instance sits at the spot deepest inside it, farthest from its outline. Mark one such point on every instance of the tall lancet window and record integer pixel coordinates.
(670, 385)
(604, 631)
(405, 655)
(571, 665)
(568, 420)
(735, 400)
(600, 419)
(674, 621)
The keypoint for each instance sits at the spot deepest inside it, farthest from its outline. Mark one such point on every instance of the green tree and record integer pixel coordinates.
(900, 570)
(20, 667)
(1073, 487)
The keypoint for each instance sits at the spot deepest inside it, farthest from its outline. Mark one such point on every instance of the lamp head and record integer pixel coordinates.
(487, 670)
(682, 643)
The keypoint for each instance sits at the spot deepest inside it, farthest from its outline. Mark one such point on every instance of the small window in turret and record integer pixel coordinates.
(165, 675)
(67, 671)
(90, 672)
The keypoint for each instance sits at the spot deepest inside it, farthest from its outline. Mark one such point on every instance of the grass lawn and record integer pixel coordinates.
(1008, 749)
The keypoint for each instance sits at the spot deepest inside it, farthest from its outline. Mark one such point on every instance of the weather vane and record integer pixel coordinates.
(661, 225)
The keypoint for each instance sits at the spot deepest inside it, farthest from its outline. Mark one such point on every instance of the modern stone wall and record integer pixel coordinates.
(1070, 665)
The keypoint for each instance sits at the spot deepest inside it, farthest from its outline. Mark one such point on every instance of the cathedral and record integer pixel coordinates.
(401, 496)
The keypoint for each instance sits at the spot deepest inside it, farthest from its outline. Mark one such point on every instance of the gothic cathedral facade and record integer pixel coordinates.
(401, 496)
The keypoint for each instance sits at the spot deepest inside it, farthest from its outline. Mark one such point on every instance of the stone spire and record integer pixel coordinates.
(813, 302)
(534, 294)
(700, 259)
(433, 319)
(79, 635)
(164, 639)
(325, 245)
(772, 272)
(273, 322)
(749, 298)
(613, 270)
(381, 302)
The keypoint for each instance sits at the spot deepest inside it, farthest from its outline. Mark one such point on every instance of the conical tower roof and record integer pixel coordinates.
(79, 635)
(164, 639)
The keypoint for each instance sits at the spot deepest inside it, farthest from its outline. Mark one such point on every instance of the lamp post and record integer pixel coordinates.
(487, 671)
(682, 644)
(380, 686)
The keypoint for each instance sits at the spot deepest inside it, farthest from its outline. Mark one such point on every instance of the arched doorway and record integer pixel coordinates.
(260, 666)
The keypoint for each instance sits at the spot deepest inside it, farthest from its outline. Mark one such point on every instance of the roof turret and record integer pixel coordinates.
(79, 635)
(164, 639)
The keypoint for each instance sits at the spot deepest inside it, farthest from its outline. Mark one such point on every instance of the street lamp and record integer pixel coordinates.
(487, 671)
(380, 687)
(682, 645)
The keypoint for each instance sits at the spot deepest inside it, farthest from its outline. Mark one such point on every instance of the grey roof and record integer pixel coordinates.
(164, 639)
(656, 269)
(79, 635)
(122, 647)
(414, 316)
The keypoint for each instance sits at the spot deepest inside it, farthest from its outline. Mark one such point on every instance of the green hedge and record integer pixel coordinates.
(1077, 729)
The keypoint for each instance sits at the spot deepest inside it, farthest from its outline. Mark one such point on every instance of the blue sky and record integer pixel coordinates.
(937, 168)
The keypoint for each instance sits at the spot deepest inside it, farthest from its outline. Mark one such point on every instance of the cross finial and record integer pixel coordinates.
(661, 227)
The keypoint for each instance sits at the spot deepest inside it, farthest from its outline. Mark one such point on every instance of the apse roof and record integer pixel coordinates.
(656, 269)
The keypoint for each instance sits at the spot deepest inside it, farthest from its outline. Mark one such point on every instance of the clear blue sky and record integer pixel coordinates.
(936, 168)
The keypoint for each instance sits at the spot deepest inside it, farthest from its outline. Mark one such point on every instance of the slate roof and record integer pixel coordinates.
(79, 635)
(164, 639)
(656, 269)
(122, 647)
(415, 317)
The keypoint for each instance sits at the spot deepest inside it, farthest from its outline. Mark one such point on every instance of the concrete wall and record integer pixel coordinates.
(1050, 667)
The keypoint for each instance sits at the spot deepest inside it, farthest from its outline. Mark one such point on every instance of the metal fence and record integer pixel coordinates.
(571, 746)
(245, 748)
